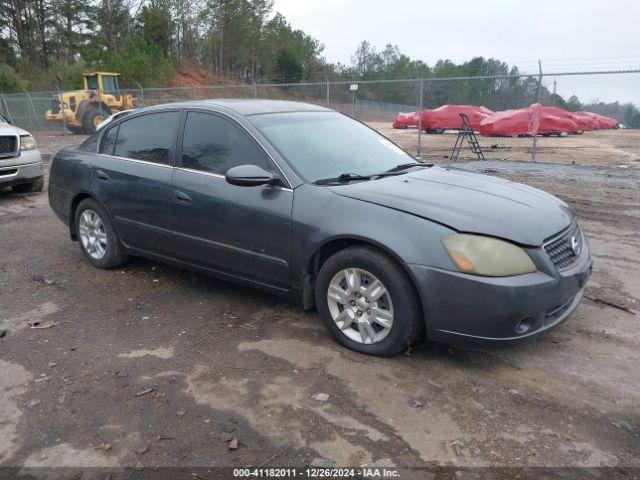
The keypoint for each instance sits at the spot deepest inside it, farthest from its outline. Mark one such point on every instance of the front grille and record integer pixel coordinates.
(565, 249)
(8, 173)
(8, 145)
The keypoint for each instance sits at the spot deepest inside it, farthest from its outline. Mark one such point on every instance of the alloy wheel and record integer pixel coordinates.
(360, 305)
(92, 234)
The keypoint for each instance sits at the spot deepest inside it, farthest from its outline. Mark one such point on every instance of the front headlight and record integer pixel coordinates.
(27, 142)
(487, 256)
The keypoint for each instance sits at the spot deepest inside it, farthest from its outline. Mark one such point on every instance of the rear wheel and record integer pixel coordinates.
(96, 235)
(368, 302)
(93, 118)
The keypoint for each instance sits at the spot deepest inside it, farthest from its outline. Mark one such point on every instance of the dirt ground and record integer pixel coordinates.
(149, 365)
(611, 148)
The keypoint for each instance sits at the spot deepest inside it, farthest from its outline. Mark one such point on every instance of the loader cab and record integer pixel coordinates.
(103, 82)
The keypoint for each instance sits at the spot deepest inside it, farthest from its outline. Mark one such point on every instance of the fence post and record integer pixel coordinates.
(64, 119)
(535, 135)
(326, 79)
(193, 91)
(421, 93)
(100, 102)
(6, 107)
(32, 109)
(255, 87)
(141, 93)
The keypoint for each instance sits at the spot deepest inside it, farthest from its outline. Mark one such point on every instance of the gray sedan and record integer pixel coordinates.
(304, 202)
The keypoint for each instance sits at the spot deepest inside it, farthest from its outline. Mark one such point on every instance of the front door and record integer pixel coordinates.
(133, 178)
(240, 231)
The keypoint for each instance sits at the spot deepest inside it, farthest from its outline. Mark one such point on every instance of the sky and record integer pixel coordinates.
(566, 35)
(514, 31)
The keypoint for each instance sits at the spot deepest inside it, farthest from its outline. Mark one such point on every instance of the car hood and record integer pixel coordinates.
(8, 129)
(469, 203)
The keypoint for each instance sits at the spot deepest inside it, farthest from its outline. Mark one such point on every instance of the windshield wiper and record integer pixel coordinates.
(344, 177)
(404, 166)
(399, 169)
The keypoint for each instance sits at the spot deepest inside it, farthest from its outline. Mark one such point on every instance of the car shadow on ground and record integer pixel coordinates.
(246, 301)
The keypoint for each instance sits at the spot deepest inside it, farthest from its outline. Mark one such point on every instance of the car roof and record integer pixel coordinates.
(249, 106)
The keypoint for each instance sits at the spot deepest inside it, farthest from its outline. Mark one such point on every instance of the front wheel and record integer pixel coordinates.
(368, 302)
(96, 235)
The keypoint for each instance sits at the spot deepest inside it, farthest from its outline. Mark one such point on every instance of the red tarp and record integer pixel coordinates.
(448, 117)
(443, 118)
(599, 121)
(404, 120)
(584, 123)
(526, 121)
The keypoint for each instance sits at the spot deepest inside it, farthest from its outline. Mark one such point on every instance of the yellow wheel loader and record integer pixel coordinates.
(81, 111)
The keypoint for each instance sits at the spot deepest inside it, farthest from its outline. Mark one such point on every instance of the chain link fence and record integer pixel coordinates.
(509, 127)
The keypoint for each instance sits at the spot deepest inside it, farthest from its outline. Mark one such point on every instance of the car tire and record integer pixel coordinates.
(401, 301)
(100, 232)
(35, 186)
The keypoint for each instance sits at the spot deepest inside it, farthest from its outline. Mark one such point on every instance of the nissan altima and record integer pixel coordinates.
(304, 202)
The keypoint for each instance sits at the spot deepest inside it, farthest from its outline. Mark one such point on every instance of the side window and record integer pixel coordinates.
(109, 141)
(147, 137)
(215, 144)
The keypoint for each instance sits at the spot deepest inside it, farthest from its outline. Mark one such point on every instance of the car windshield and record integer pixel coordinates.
(321, 145)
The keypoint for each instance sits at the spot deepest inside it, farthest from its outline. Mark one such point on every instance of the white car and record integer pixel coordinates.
(20, 160)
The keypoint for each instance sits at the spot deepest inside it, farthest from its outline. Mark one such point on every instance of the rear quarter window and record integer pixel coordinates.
(109, 140)
(90, 144)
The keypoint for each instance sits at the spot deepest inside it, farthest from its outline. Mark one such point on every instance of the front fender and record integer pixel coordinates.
(321, 216)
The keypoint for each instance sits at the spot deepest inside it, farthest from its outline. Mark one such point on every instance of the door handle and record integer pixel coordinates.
(182, 197)
(101, 175)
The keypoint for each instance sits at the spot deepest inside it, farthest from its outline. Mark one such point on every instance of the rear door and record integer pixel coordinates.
(242, 231)
(133, 178)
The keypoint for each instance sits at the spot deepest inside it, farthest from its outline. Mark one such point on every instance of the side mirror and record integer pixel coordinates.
(249, 176)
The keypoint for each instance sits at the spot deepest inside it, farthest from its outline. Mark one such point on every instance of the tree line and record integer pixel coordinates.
(467, 83)
(147, 41)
